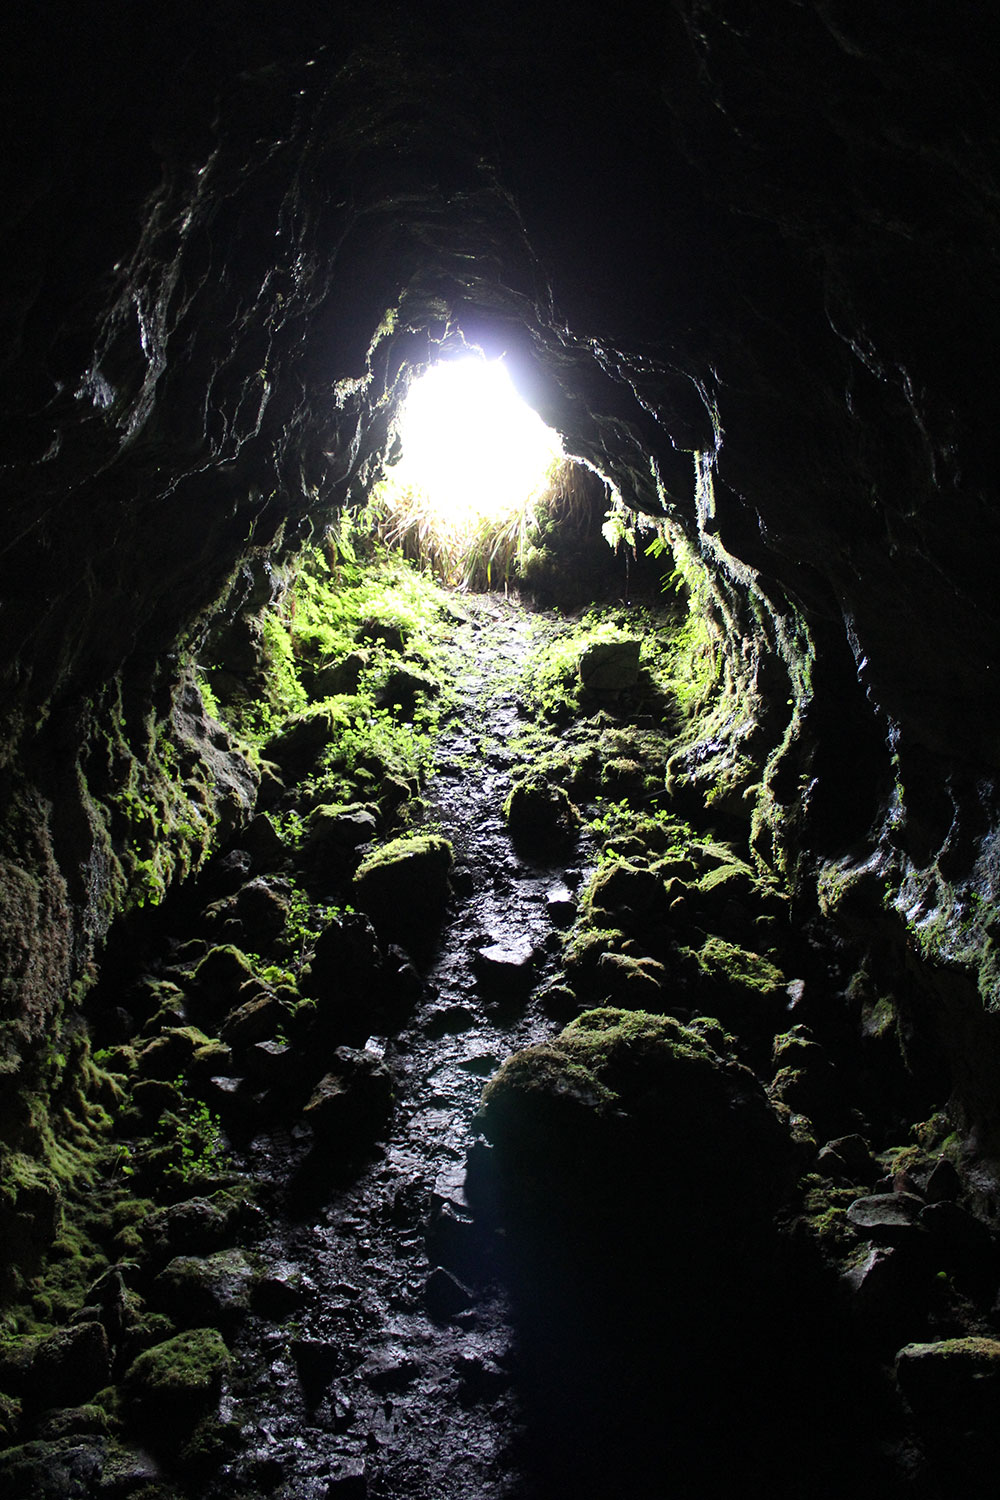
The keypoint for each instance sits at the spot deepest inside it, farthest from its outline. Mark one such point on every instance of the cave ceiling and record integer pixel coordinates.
(763, 234)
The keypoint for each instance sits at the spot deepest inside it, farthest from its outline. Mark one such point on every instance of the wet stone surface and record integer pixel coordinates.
(392, 1371)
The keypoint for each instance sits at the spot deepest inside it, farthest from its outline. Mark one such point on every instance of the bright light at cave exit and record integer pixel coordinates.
(470, 444)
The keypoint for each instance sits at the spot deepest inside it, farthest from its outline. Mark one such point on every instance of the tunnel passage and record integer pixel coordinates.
(746, 273)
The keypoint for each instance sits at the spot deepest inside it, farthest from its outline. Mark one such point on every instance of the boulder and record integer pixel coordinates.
(340, 676)
(298, 742)
(199, 1225)
(335, 832)
(610, 666)
(952, 1380)
(403, 690)
(627, 893)
(633, 983)
(353, 1101)
(61, 1369)
(214, 1289)
(504, 969)
(403, 887)
(176, 1382)
(885, 1217)
(345, 974)
(626, 1103)
(541, 818)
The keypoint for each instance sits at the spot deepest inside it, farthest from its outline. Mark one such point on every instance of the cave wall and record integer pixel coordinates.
(759, 235)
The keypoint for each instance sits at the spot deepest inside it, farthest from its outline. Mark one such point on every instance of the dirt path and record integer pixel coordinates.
(394, 1375)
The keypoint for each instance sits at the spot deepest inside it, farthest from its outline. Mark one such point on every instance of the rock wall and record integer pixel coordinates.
(760, 236)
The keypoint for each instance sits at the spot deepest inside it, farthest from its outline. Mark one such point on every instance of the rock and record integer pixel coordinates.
(541, 818)
(153, 1097)
(403, 689)
(348, 1479)
(263, 842)
(455, 1242)
(344, 974)
(558, 1002)
(261, 908)
(885, 1217)
(944, 1184)
(449, 1019)
(610, 666)
(445, 1296)
(627, 893)
(353, 1101)
(336, 832)
(298, 742)
(226, 874)
(215, 1289)
(962, 1243)
(888, 1284)
(387, 634)
(340, 676)
(64, 1468)
(198, 1226)
(60, 1369)
(390, 1372)
(69, 1421)
(635, 983)
(168, 1054)
(274, 1064)
(220, 975)
(598, 1110)
(560, 904)
(954, 1380)
(856, 1155)
(175, 1382)
(318, 1361)
(257, 1018)
(504, 969)
(403, 887)
(341, 826)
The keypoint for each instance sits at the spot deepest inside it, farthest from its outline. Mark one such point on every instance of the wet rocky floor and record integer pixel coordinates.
(394, 1372)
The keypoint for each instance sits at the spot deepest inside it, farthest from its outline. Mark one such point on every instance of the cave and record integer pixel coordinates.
(730, 1212)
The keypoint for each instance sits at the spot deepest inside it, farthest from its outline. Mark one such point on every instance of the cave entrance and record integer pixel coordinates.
(476, 471)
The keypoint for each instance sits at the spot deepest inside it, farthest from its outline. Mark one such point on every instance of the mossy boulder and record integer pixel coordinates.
(952, 1380)
(610, 666)
(299, 741)
(219, 977)
(403, 887)
(60, 1369)
(336, 830)
(176, 1382)
(627, 1102)
(541, 818)
(629, 894)
(742, 986)
(212, 1289)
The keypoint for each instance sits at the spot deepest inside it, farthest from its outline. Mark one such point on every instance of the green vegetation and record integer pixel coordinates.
(352, 667)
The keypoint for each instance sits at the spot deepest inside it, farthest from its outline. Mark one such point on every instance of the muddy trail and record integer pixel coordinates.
(394, 1372)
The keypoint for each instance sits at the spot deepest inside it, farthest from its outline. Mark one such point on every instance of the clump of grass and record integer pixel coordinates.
(478, 551)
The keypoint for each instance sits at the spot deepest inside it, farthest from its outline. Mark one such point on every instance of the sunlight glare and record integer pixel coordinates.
(469, 442)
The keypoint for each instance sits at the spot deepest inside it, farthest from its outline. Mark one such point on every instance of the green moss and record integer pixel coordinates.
(824, 1214)
(416, 849)
(727, 964)
(180, 1377)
